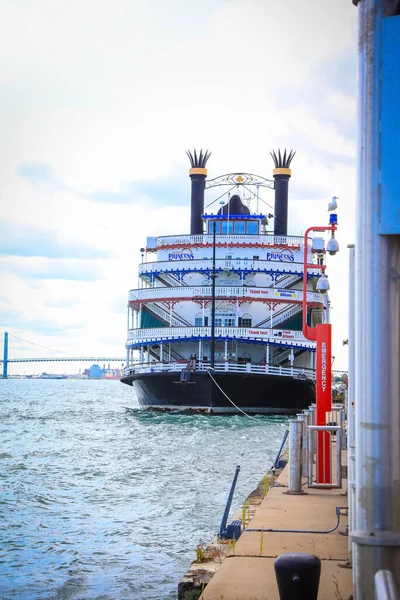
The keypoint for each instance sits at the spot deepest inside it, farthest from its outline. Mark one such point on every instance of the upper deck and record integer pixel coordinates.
(232, 240)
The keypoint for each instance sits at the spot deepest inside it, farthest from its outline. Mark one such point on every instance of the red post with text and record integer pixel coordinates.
(323, 399)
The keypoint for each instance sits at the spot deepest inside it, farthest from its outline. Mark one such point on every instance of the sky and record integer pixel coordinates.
(100, 101)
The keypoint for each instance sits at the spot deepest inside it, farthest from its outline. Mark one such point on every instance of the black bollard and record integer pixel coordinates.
(297, 575)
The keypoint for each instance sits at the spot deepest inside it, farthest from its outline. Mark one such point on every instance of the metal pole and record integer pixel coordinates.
(351, 401)
(276, 462)
(321, 334)
(377, 341)
(5, 356)
(225, 516)
(295, 455)
(306, 423)
(385, 587)
(213, 277)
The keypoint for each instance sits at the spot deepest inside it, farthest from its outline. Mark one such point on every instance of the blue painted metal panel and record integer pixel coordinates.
(390, 127)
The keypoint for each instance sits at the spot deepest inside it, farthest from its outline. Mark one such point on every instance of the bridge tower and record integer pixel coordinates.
(5, 355)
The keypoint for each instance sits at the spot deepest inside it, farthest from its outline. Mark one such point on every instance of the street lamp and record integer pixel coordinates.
(322, 335)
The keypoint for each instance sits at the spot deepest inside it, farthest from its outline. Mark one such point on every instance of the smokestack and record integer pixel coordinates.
(281, 174)
(198, 174)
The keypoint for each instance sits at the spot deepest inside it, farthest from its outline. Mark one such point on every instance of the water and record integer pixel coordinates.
(100, 499)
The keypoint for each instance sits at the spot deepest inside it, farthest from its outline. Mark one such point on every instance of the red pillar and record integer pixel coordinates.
(323, 400)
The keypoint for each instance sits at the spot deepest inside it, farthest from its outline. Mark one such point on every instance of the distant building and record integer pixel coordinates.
(95, 372)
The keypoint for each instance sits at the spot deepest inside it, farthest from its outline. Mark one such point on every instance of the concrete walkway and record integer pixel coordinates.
(249, 574)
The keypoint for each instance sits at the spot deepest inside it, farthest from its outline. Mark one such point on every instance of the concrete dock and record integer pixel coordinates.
(247, 573)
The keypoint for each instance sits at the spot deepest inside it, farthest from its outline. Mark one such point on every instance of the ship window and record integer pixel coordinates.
(217, 227)
(218, 322)
(245, 320)
(229, 322)
(240, 227)
(252, 227)
(198, 320)
(227, 227)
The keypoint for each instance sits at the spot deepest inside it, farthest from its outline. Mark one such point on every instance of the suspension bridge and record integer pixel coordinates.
(6, 360)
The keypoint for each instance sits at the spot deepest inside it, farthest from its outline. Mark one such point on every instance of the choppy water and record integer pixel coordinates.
(102, 500)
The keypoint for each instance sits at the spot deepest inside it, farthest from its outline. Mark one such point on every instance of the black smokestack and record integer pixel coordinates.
(198, 174)
(282, 175)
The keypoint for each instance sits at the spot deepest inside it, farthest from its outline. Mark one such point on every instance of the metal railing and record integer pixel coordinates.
(156, 334)
(159, 367)
(260, 240)
(330, 429)
(287, 281)
(165, 315)
(282, 315)
(252, 293)
(303, 446)
(237, 264)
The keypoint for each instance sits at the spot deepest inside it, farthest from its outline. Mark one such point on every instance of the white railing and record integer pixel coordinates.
(156, 334)
(260, 240)
(287, 281)
(252, 293)
(237, 264)
(165, 316)
(158, 367)
(282, 356)
(286, 314)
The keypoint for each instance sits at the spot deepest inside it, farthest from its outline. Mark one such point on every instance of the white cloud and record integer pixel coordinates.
(111, 94)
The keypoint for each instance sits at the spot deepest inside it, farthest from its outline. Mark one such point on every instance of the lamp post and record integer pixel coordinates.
(322, 335)
(213, 278)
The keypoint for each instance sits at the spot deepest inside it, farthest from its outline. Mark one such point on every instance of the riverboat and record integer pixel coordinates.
(216, 323)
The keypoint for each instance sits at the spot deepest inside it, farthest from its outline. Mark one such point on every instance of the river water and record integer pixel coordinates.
(102, 500)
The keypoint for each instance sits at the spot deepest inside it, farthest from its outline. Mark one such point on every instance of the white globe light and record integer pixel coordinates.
(323, 284)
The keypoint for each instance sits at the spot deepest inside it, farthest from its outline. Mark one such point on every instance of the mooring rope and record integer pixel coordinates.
(231, 401)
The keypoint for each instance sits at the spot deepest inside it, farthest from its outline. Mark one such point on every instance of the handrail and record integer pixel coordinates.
(276, 462)
(236, 264)
(284, 314)
(287, 281)
(332, 429)
(222, 528)
(278, 336)
(262, 240)
(164, 315)
(252, 293)
(204, 367)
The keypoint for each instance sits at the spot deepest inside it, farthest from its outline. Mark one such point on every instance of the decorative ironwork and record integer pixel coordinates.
(239, 179)
(198, 161)
(282, 161)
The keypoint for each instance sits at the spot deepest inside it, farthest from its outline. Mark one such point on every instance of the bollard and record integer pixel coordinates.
(312, 448)
(295, 456)
(297, 576)
(301, 417)
(306, 421)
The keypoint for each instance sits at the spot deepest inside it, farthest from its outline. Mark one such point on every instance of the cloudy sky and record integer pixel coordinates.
(99, 102)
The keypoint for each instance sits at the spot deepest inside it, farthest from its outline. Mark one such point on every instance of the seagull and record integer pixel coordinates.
(333, 203)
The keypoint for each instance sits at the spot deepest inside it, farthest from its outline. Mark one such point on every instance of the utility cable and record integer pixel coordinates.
(38, 345)
(259, 197)
(222, 195)
(266, 530)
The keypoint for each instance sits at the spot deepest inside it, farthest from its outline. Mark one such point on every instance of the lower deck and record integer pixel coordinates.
(221, 391)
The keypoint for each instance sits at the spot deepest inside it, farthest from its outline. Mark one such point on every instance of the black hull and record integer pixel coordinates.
(253, 393)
